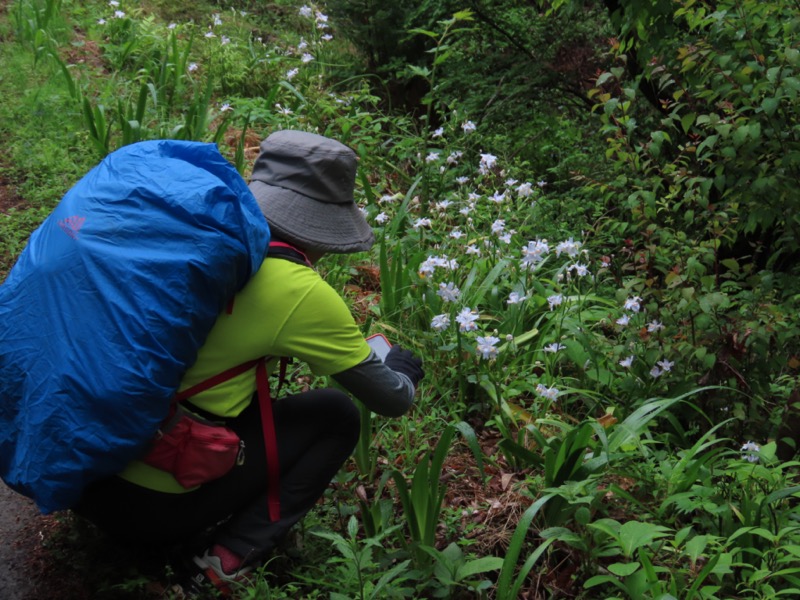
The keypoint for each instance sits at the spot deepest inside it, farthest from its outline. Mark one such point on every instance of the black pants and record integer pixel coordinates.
(316, 433)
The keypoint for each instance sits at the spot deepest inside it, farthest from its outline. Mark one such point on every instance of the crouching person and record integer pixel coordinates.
(304, 185)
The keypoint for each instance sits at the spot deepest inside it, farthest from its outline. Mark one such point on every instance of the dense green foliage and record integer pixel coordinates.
(587, 219)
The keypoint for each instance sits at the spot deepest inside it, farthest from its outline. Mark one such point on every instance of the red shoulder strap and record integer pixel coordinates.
(290, 247)
(267, 419)
(217, 379)
(270, 439)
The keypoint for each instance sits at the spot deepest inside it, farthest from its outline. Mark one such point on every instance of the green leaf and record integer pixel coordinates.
(599, 580)
(463, 15)
(423, 72)
(603, 78)
(623, 569)
(427, 32)
(479, 565)
(707, 144)
(695, 547)
(687, 121)
(505, 590)
(635, 534)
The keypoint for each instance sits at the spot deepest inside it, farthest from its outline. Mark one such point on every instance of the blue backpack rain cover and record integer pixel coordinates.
(107, 306)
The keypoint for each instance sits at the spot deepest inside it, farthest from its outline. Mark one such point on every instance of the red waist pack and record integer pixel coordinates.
(194, 450)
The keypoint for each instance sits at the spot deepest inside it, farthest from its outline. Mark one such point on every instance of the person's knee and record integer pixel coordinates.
(348, 419)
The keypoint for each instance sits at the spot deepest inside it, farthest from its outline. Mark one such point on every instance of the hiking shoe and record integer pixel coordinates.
(209, 580)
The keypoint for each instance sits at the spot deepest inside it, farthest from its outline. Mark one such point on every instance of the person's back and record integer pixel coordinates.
(286, 310)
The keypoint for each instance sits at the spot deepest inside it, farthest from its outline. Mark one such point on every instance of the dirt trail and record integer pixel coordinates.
(19, 518)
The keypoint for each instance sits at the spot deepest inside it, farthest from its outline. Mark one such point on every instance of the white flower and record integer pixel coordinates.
(224, 40)
(498, 197)
(432, 262)
(302, 45)
(551, 393)
(580, 270)
(426, 268)
(225, 107)
(654, 326)
(516, 298)
(623, 320)
(506, 237)
(554, 347)
(456, 234)
(440, 322)
(172, 26)
(555, 300)
(626, 362)
(381, 218)
(443, 205)
(665, 365)
(487, 162)
(633, 304)
(510, 182)
(305, 11)
(468, 126)
(438, 132)
(118, 14)
(453, 158)
(284, 110)
(466, 320)
(450, 263)
(217, 20)
(462, 180)
(421, 222)
(486, 346)
(210, 34)
(655, 372)
(291, 73)
(321, 17)
(541, 184)
(498, 226)
(524, 190)
(534, 253)
(570, 247)
(101, 21)
(448, 292)
(307, 58)
(750, 451)
(432, 157)
(113, 3)
(326, 38)
(473, 249)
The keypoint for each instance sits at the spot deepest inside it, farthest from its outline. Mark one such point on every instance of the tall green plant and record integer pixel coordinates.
(423, 500)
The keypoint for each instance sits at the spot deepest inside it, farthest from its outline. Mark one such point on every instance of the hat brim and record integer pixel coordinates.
(337, 228)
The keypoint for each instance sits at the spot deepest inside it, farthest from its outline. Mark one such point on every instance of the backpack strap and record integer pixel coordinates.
(270, 437)
(217, 379)
(267, 419)
(288, 252)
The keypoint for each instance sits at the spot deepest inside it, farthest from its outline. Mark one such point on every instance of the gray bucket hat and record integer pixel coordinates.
(303, 183)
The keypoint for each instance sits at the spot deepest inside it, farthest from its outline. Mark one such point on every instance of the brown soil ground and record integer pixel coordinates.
(19, 523)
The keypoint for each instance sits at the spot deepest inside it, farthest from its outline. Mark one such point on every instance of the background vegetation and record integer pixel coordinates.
(588, 224)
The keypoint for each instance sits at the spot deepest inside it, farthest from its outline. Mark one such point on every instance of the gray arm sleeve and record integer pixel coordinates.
(382, 390)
